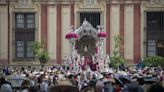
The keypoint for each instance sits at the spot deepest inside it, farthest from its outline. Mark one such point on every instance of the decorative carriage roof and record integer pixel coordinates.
(86, 29)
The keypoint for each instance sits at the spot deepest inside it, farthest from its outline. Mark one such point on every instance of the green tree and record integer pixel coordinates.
(154, 61)
(116, 59)
(40, 52)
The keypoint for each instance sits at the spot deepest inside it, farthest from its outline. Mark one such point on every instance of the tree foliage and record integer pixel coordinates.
(116, 59)
(154, 61)
(40, 53)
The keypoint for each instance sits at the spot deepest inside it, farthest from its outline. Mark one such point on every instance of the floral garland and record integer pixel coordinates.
(71, 35)
(101, 34)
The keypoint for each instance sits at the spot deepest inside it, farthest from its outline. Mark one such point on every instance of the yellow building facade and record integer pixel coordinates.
(25, 21)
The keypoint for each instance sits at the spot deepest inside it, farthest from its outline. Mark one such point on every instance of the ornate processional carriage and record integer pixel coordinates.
(86, 48)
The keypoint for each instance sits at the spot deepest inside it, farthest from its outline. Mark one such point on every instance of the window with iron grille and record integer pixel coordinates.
(155, 33)
(24, 34)
(92, 17)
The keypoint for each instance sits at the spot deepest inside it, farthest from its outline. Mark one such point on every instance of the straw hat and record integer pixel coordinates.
(121, 73)
(99, 76)
(111, 80)
(136, 75)
(64, 82)
(64, 86)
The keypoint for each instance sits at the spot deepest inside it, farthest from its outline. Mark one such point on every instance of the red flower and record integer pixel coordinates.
(101, 34)
(71, 35)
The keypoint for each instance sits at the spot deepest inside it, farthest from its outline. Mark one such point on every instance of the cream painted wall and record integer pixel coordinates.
(52, 31)
(65, 29)
(3, 33)
(143, 34)
(12, 35)
(114, 25)
(12, 46)
(128, 38)
(38, 23)
(75, 15)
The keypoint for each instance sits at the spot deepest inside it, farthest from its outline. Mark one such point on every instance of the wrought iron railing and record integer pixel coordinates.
(155, 33)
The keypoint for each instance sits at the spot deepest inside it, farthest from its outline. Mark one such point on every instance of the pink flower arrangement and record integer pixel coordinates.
(71, 35)
(101, 34)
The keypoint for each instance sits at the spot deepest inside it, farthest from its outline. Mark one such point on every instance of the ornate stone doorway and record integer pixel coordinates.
(86, 46)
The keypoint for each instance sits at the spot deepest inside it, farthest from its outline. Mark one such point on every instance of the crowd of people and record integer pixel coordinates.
(61, 79)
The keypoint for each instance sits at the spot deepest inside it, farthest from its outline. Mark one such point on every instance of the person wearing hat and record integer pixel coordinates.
(71, 77)
(4, 81)
(108, 84)
(64, 85)
(82, 83)
(42, 85)
(91, 82)
(126, 83)
(141, 82)
(99, 84)
(25, 86)
(156, 88)
(134, 87)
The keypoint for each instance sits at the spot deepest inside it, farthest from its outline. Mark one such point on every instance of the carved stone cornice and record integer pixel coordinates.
(154, 3)
(24, 4)
(157, 2)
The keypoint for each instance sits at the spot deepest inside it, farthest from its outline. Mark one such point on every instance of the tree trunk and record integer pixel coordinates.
(42, 64)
